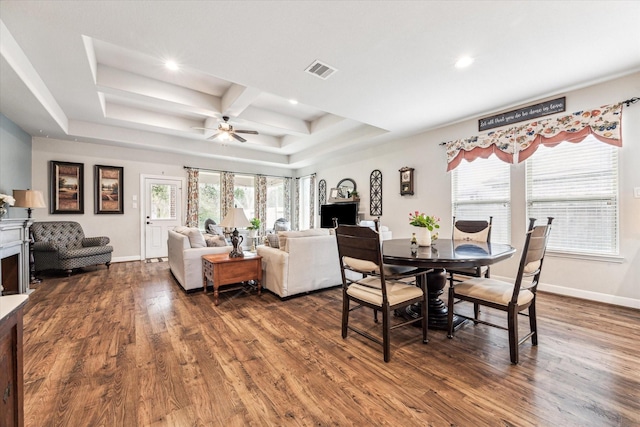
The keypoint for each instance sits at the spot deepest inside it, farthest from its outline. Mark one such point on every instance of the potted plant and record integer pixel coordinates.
(355, 196)
(254, 227)
(426, 224)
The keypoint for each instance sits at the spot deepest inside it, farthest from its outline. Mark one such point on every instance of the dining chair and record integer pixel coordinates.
(473, 231)
(512, 298)
(360, 252)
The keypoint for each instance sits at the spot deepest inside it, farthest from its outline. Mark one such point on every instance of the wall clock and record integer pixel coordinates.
(406, 181)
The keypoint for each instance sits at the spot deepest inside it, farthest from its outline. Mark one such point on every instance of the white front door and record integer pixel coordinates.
(163, 211)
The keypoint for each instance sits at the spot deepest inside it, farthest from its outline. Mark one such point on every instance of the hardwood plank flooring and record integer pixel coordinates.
(128, 347)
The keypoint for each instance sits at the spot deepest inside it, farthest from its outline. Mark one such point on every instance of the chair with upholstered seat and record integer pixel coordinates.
(473, 231)
(359, 251)
(513, 298)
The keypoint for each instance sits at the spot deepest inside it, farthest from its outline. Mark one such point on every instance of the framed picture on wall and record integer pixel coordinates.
(66, 187)
(108, 189)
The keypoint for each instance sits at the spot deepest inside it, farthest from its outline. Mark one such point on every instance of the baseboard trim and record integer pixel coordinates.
(126, 258)
(582, 294)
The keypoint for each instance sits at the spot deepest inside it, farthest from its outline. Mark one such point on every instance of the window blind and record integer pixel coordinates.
(577, 184)
(481, 189)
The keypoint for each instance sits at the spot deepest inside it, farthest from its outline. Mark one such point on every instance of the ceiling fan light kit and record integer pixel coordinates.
(226, 132)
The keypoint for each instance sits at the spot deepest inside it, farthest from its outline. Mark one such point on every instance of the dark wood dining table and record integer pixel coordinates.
(442, 254)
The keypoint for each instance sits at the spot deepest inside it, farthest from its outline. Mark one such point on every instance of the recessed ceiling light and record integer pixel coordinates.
(464, 62)
(293, 101)
(172, 65)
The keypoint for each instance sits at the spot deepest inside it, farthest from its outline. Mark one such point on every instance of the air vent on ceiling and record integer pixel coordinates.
(320, 70)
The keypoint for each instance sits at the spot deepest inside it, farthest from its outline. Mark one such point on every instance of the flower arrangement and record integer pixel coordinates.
(6, 199)
(423, 220)
(255, 224)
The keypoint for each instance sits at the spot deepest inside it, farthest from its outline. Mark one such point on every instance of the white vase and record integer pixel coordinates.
(253, 233)
(424, 236)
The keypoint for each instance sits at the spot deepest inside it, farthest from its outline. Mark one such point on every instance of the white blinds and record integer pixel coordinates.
(577, 184)
(481, 189)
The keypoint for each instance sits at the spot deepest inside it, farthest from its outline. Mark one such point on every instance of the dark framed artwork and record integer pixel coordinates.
(108, 189)
(66, 187)
(406, 181)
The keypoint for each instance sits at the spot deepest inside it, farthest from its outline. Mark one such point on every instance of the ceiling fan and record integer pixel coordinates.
(226, 129)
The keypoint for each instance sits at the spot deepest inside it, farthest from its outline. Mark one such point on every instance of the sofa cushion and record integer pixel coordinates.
(196, 240)
(214, 241)
(284, 235)
(216, 230)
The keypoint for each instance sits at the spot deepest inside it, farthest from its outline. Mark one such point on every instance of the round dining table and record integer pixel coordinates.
(435, 259)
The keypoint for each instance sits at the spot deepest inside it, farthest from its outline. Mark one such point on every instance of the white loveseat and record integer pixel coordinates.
(185, 261)
(304, 261)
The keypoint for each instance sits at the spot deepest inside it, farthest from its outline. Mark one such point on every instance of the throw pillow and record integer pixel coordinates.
(216, 230)
(195, 238)
(273, 240)
(214, 241)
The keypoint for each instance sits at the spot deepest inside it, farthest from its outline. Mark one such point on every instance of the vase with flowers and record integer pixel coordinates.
(4, 200)
(426, 224)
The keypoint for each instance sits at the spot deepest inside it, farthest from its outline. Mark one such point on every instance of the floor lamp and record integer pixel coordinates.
(30, 199)
(235, 218)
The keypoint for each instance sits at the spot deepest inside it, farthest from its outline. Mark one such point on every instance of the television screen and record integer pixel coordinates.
(347, 214)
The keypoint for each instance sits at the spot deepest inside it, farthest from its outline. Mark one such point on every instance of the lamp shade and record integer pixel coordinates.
(28, 199)
(235, 218)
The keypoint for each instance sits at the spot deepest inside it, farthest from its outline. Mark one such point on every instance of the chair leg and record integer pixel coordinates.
(345, 314)
(533, 323)
(512, 320)
(108, 264)
(386, 345)
(476, 311)
(375, 315)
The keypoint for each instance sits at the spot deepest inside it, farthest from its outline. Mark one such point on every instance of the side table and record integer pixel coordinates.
(222, 270)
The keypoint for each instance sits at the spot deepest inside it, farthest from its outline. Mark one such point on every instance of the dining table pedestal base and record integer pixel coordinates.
(438, 312)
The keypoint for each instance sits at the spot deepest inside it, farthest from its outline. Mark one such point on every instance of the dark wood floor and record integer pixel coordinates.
(127, 347)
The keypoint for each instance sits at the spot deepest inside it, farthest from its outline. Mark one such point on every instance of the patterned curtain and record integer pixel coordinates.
(192, 197)
(295, 223)
(312, 201)
(287, 199)
(522, 141)
(226, 190)
(261, 201)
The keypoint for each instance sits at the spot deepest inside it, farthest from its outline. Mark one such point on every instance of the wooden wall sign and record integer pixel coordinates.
(520, 115)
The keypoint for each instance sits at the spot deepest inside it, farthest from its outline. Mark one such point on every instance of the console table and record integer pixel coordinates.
(222, 270)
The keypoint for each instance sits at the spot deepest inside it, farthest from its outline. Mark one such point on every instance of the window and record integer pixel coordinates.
(481, 189)
(275, 201)
(577, 184)
(244, 194)
(209, 197)
(304, 202)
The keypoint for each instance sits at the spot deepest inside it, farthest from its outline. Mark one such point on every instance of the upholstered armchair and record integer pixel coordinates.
(61, 245)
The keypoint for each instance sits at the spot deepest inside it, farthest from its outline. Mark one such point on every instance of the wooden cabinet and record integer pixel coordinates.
(11, 371)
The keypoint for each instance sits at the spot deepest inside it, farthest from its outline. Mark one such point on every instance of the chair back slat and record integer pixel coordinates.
(532, 256)
(472, 230)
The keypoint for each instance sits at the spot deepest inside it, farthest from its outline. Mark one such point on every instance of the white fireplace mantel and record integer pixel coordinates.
(14, 240)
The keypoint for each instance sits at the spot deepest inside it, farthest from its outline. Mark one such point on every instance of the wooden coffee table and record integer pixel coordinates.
(222, 270)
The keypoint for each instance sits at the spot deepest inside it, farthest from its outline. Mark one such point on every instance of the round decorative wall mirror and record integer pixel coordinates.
(346, 187)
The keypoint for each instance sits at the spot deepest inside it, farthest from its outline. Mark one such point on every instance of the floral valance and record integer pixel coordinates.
(521, 141)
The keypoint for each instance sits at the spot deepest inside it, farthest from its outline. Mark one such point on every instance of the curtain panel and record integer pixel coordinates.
(261, 201)
(226, 188)
(520, 142)
(193, 176)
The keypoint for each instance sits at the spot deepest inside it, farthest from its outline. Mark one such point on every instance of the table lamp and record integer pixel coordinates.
(235, 218)
(29, 199)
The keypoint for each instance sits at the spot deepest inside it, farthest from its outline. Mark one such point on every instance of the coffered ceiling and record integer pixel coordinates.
(94, 71)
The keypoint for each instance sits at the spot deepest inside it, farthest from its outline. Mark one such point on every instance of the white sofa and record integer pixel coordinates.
(185, 261)
(305, 261)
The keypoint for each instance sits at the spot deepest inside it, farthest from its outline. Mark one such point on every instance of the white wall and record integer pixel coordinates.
(125, 231)
(612, 282)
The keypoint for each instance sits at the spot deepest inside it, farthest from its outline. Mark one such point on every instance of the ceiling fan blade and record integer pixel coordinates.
(252, 132)
(238, 137)
(198, 128)
(215, 135)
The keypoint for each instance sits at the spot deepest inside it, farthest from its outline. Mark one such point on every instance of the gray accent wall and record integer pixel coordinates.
(15, 162)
